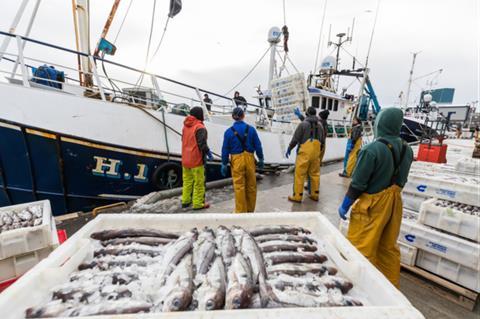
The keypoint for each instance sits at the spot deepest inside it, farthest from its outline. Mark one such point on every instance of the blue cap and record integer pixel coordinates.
(237, 113)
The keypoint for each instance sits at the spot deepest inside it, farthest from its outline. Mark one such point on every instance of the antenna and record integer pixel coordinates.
(351, 33)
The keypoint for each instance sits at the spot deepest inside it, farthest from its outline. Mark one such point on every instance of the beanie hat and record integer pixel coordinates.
(311, 111)
(324, 114)
(237, 113)
(197, 112)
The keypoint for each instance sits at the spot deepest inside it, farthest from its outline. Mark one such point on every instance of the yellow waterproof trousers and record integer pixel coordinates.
(244, 182)
(352, 158)
(193, 186)
(374, 227)
(307, 165)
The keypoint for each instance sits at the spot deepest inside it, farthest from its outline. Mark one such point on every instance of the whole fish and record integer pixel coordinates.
(250, 250)
(127, 251)
(117, 278)
(149, 241)
(203, 251)
(280, 229)
(211, 294)
(294, 257)
(105, 265)
(225, 244)
(131, 232)
(179, 297)
(286, 237)
(240, 284)
(280, 245)
(332, 282)
(175, 251)
(300, 269)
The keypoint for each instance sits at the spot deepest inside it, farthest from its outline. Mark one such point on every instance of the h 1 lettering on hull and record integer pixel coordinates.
(109, 167)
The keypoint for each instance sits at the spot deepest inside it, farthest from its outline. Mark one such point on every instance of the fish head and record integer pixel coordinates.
(177, 300)
(237, 298)
(211, 299)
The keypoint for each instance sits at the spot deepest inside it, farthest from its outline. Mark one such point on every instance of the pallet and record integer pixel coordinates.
(463, 297)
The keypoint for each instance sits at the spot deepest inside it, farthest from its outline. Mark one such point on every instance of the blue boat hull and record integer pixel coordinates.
(78, 174)
(412, 131)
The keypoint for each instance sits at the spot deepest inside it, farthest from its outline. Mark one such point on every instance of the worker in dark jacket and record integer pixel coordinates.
(194, 152)
(239, 143)
(307, 136)
(240, 101)
(208, 102)
(354, 144)
(322, 120)
(375, 193)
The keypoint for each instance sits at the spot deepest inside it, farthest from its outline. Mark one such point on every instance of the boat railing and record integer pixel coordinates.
(109, 87)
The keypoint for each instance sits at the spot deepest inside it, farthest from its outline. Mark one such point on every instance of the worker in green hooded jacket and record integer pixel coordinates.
(375, 197)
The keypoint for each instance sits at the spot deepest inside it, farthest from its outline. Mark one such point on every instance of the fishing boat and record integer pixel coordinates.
(81, 138)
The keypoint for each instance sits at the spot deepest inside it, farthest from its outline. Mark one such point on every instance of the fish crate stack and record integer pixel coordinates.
(275, 265)
(27, 235)
(289, 93)
(447, 231)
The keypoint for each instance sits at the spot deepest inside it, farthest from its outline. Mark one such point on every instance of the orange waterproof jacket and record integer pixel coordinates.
(191, 154)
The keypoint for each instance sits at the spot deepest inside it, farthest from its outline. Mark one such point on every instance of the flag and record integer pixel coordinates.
(175, 8)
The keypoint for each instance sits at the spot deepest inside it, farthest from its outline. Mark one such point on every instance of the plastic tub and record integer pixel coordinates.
(451, 220)
(441, 244)
(457, 188)
(413, 201)
(382, 299)
(23, 240)
(408, 254)
(448, 269)
(16, 266)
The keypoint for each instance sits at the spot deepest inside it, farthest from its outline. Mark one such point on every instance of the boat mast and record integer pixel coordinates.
(410, 78)
(108, 23)
(274, 35)
(81, 11)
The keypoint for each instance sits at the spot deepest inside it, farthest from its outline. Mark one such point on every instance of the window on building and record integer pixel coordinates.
(330, 104)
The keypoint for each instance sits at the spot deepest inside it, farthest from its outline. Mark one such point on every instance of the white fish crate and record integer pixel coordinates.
(413, 201)
(15, 266)
(441, 244)
(408, 254)
(468, 165)
(458, 188)
(448, 269)
(26, 239)
(381, 299)
(450, 220)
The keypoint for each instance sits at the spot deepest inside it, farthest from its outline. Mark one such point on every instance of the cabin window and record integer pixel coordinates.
(260, 101)
(267, 102)
(316, 101)
(324, 103)
(330, 104)
(335, 105)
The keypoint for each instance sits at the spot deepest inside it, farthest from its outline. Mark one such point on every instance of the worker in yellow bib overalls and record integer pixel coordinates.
(375, 195)
(354, 144)
(308, 137)
(239, 143)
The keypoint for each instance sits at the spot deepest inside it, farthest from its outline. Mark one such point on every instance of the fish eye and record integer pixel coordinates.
(210, 304)
(237, 301)
(176, 302)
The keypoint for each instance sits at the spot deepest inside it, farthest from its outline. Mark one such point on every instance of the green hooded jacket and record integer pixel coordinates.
(375, 166)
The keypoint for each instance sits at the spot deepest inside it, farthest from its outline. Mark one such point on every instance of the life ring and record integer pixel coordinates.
(167, 175)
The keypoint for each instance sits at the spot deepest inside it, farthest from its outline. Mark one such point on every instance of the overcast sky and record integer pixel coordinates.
(214, 43)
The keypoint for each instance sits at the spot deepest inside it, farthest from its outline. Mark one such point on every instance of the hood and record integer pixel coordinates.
(190, 121)
(388, 122)
(312, 118)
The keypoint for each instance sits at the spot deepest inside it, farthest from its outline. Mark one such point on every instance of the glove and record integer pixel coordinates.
(260, 164)
(224, 170)
(343, 209)
(297, 112)
(209, 155)
(287, 154)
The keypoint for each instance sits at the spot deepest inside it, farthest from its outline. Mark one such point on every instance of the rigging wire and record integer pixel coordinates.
(249, 72)
(284, 14)
(345, 50)
(152, 24)
(123, 21)
(161, 39)
(373, 32)
(320, 36)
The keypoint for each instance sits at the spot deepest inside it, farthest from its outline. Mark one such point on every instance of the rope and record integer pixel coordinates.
(152, 24)
(248, 74)
(161, 40)
(373, 32)
(123, 21)
(320, 36)
(288, 58)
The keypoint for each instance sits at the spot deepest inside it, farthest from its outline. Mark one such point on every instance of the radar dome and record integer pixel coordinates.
(328, 63)
(274, 35)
